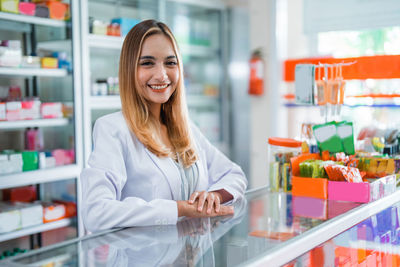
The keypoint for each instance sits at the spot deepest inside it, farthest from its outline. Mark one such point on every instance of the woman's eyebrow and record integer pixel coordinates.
(147, 57)
(171, 57)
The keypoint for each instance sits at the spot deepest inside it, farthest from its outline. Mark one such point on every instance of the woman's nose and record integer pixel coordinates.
(161, 73)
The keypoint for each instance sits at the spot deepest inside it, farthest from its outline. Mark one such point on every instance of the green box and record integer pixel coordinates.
(31, 160)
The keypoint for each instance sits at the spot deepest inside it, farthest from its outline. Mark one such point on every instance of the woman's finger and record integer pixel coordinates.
(217, 204)
(210, 202)
(202, 199)
(193, 197)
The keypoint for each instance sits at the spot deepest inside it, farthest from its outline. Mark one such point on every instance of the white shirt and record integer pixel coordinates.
(127, 185)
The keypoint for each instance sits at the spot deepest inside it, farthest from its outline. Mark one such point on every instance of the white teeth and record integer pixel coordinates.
(158, 87)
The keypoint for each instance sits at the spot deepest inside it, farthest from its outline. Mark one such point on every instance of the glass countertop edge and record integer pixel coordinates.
(297, 246)
(11, 262)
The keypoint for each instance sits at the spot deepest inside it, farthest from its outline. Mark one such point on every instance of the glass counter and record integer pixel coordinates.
(268, 229)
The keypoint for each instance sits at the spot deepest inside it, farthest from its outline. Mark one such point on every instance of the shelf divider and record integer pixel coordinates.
(35, 229)
(32, 20)
(39, 176)
(33, 123)
(33, 72)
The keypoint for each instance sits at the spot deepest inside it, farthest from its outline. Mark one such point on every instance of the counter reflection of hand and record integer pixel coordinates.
(193, 226)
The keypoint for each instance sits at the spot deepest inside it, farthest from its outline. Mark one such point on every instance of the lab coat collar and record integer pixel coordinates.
(170, 172)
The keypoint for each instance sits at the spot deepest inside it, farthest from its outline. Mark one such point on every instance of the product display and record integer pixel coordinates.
(280, 151)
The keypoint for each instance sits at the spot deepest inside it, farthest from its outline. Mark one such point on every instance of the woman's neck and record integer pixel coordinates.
(155, 110)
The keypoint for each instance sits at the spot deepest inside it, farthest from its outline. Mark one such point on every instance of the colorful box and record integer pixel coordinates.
(31, 160)
(57, 10)
(30, 110)
(51, 110)
(310, 187)
(27, 8)
(9, 6)
(49, 63)
(53, 212)
(362, 192)
(126, 24)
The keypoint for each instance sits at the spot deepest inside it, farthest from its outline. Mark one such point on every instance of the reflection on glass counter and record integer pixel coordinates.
(373, 242)
(267, 222)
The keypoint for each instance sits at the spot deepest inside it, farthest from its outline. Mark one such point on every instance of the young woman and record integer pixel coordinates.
(149, 165)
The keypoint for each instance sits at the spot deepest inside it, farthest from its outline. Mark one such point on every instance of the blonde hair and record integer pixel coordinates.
(174, 113)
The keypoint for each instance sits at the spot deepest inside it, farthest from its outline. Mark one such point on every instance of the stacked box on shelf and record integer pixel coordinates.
(323, 188)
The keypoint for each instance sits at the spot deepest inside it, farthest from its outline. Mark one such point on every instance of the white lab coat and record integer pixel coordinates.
(127, 185)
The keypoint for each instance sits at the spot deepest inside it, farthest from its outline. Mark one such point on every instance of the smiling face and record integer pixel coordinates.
(157, 70)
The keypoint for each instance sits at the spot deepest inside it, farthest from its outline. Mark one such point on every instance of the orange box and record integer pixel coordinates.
(310, 187)
(57, 10)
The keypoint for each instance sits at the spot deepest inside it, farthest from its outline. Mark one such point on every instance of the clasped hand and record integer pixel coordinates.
(204, 204)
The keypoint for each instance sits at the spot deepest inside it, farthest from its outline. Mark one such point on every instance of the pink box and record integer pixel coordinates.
(3, 116)
(27, 8)
(362, 192)
(13, 110)
(51, 110)
(30, 110)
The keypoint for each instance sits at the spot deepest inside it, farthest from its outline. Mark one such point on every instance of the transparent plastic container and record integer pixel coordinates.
(280, 150)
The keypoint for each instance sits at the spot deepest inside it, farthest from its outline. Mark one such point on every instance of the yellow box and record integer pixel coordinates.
(10, 6)
(49, 62)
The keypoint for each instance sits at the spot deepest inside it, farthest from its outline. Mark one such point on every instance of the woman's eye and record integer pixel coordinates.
(146, 63)
(172, 63)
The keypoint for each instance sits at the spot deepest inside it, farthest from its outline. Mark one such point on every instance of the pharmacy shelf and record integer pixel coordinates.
(105, 41)
(35, 229)
(57, 45)
(202, 101)
(33, 72)
(33, 123)
(105, 102)
(32, 20)
(39, 176)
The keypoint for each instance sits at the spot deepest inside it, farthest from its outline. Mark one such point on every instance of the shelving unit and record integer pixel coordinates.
(36, 229)
(53, 85)
(8, 125)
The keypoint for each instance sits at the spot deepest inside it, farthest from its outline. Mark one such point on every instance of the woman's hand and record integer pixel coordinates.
(190, 210)
(204, 198)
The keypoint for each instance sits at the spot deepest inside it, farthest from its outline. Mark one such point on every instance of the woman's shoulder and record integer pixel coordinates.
(113, 121)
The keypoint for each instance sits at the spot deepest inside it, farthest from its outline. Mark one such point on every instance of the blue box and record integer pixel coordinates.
(126, 24)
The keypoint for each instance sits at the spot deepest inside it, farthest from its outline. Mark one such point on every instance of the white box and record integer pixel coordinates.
(31, 214)
(10, 218)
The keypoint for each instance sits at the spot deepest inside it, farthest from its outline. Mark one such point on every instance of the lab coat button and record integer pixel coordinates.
(165, 221)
